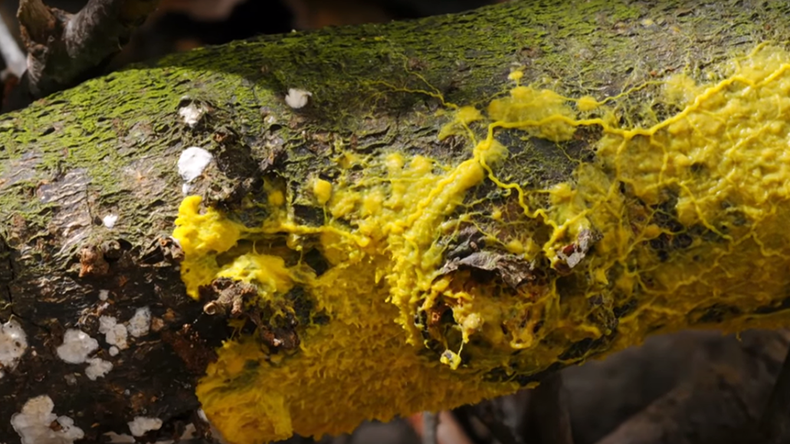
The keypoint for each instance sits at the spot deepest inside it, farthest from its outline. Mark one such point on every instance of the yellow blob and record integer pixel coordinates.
(587, 103)
(680, 89)
(460, 124)
(276, 198)
(491, 152)
(202, 236)
(322, 190)
(678, 225)
(515, 246)
(268, 272)
(542, 113)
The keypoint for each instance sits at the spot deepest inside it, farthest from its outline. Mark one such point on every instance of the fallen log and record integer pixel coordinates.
(387, 219)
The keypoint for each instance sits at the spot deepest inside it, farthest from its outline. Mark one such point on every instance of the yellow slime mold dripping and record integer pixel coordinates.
(434, 294)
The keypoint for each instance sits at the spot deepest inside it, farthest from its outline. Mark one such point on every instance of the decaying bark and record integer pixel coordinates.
(89, 187)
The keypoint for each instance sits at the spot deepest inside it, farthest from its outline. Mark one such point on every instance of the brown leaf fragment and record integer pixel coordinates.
(227, 297)
(467, 241)
(92, 262)
(512, 269)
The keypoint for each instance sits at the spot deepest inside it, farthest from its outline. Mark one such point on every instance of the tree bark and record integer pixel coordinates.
(429, 255)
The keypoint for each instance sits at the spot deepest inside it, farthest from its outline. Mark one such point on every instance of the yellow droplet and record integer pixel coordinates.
(276, 198)
(587, 103)
(322, 190)
(516, 75)
(515, 246)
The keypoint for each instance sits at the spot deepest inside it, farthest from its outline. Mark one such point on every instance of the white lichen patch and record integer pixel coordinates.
(13, 343)
(297, 98)
(191, 114)
(37, 424)
(97, 368)
(76, 347)
(110, 220)
(192, 162)
(114, 333)
(141, 425)
(140, 323)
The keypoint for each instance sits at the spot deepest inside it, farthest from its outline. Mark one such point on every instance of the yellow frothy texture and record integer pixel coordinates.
(690, 221)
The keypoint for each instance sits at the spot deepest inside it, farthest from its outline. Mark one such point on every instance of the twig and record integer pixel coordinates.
(491, 415)
(13, 56)
(430, 423)
(65, 49)
(548, 419)
(775, 422)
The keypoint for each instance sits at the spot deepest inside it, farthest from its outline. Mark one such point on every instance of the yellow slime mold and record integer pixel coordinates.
(433, 296)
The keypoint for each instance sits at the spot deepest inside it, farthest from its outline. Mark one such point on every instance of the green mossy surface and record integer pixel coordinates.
(373, 85)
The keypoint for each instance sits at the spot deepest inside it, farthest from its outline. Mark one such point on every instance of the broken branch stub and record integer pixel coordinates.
(64, 49)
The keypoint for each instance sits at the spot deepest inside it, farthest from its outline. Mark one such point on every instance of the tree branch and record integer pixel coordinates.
(462, 206)
(65, 49)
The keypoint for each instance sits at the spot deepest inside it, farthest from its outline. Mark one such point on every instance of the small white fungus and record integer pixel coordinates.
(297, 98)
(191, 114)
(140, 323)
(192, 162)
(141, 424)
(114, 351)
(13, 343)
(104, 294)
(76, 347)
(36, 424)
(114, 333)
(110, 220)
(98, 368)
